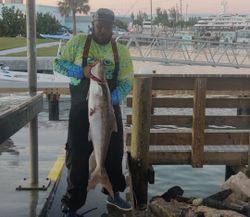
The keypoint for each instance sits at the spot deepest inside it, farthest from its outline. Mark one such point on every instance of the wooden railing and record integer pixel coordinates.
(198, 123)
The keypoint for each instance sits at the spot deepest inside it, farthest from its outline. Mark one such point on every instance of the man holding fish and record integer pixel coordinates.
(101, 73)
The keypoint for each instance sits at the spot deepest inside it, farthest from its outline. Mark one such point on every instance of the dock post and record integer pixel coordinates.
(53, 106)
(198, 136)
(141, 121)
(32, 70)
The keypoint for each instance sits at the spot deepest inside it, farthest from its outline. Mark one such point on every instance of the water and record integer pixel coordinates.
(197, 182)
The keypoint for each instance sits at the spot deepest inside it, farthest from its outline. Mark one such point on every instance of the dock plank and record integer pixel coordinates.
(16, 111)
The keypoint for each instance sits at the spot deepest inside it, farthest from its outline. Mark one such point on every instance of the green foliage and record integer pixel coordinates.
(139, 19)
(73, 6)
(120, 24)
(165, 18)
(12, 22)
(161, 17)
(45, 23)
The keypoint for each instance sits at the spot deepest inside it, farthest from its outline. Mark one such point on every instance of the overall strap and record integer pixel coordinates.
(86, 50)
(116, 59)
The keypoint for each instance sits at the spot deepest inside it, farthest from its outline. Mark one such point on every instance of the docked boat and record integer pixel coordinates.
(16, 79)
(223, 22)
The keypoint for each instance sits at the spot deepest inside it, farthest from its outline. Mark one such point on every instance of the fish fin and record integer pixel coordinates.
(100, 176)
(92, 162)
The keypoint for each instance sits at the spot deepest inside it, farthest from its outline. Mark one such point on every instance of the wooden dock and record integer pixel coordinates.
(198, 138)
(16, 111)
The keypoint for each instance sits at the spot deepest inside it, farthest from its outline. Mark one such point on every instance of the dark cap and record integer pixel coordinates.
(104, 14)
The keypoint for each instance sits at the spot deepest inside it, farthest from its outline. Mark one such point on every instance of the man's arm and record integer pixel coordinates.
(67, 68)
(65, 63)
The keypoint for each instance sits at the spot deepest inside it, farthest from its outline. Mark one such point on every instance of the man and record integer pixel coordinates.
(79, 55)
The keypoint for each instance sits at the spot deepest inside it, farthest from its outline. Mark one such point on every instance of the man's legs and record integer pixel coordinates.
(78, 150)
(114, 164)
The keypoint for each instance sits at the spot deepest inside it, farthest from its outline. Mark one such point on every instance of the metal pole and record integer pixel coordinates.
(151, 16)
(31, 56)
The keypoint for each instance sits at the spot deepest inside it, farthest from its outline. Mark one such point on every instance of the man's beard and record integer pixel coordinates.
(101, 40)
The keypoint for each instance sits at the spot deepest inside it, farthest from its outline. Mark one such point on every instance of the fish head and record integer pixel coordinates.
(98, 71)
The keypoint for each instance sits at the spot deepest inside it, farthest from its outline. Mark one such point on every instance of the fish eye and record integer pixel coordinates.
(106, 62)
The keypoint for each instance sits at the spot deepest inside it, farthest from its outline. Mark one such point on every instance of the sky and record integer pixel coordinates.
(126, 7)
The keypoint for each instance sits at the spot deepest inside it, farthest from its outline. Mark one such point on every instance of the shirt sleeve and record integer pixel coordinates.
(67, 68)
(125, 77)
(65, 63)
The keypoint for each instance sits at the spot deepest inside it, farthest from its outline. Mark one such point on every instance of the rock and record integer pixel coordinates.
(161, 208)
(240, 185)
(211, 212)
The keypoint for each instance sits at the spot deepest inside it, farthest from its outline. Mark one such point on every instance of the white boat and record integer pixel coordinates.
(223, 22)
(15, 79)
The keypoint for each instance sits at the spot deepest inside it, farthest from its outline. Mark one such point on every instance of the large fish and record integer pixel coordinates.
(102, 122)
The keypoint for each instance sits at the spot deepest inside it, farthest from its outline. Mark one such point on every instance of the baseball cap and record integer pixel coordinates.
(104, 14)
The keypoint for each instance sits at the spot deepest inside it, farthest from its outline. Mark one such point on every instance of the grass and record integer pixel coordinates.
(46, 51)
(13, 42)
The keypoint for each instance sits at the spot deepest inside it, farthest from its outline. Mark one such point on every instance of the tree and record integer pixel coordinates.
(12, 22)
(46, 23)
(174, 16)
(73, 6)
(120, 24)
(161, 17)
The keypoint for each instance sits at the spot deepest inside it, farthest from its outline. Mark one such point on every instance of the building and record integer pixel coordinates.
(13, 1)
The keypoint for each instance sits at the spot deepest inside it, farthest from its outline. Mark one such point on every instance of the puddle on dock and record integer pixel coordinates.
(8, 146)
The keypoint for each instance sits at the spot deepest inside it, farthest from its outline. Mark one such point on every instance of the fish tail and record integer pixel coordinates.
(101, 176)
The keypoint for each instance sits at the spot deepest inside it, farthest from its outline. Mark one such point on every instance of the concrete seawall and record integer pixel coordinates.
(20, 63)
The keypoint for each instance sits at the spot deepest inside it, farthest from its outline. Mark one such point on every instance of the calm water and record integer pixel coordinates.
(195, 182)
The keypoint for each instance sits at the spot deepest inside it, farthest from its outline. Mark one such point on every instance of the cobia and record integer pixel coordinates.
(102, 122)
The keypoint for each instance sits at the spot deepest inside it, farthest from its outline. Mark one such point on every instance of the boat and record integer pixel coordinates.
(16, 79)
(223, 22)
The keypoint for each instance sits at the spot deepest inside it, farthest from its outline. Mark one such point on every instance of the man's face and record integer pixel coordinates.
(102, 31)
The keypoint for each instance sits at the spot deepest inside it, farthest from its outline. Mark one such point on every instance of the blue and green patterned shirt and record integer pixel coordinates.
(70, 61)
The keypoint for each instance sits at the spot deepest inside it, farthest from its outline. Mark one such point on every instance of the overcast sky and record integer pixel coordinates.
(125, 7)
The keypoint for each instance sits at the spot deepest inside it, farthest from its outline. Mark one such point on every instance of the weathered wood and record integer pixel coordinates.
(53, 103)
(140, 138)
(177, 120)
(239, 122)
(177, 82)
(212, 137)
(187, 102)
(213, 155)
(59, 90)
(16, 117)
(198, 138)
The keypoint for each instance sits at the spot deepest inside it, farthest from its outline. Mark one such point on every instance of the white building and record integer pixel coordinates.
(13, 1)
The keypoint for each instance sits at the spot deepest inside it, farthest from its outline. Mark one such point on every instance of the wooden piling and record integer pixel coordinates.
(141, 112)
(198, 136)
(53, 106)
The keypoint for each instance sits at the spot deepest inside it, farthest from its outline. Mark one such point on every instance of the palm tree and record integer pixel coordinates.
(73, 6)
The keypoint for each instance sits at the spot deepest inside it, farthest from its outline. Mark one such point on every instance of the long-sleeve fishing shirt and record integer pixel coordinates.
(70, 64)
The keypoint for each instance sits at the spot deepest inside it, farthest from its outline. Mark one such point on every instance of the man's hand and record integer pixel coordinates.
(87, 69)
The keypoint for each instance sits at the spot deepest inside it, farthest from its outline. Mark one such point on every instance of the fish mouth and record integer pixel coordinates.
(98, 80)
